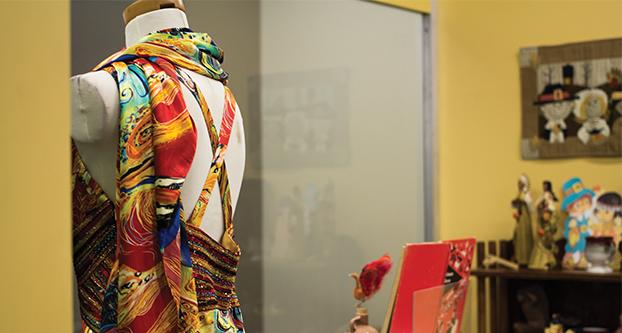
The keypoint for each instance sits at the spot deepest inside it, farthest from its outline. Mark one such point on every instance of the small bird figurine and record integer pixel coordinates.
(368, 282)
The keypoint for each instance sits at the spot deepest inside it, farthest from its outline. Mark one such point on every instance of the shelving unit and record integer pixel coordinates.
(592, 298)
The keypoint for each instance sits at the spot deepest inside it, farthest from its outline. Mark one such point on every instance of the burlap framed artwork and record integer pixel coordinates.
(572, 100)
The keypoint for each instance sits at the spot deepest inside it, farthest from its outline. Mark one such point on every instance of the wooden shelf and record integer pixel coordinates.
(529, 274)
(498, 287)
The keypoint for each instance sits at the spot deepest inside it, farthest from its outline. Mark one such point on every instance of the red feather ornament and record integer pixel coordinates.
(369, 281)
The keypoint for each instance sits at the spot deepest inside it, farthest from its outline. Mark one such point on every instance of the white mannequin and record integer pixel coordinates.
(95, 122)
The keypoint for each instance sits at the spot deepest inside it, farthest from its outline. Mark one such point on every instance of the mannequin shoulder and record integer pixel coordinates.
(94, 106)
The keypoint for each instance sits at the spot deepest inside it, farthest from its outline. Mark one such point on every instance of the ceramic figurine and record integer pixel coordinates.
(599, 251)
(555, 326)
(543, 254)
(592, 110)
(523, 237)
(368, 283)
(360, 323)
(578, 204)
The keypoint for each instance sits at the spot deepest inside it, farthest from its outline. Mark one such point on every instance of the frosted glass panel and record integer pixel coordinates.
(340, 114)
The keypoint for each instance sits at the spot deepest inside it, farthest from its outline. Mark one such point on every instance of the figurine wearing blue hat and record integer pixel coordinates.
(577, 203)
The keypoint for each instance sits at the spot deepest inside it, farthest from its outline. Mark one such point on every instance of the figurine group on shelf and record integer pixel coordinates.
(591, 227)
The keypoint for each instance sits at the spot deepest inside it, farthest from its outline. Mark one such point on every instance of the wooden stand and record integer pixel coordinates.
(592, 298)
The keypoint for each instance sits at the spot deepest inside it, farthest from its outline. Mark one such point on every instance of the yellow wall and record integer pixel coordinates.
(35, 245)
(479, 107)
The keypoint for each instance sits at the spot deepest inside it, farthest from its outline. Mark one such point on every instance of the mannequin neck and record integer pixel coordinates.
(161, 19)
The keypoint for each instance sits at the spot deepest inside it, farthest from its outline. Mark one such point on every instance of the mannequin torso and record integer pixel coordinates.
(95, 121)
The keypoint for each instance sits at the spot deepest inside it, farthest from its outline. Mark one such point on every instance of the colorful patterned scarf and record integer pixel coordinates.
(151, 287)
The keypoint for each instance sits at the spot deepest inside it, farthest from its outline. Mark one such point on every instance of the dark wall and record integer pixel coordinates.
(96, 32)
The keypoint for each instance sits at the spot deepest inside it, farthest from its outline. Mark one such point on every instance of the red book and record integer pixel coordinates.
(422, 266)
(439, 273)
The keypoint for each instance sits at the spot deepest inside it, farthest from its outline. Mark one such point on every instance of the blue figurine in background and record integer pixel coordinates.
(578, 203)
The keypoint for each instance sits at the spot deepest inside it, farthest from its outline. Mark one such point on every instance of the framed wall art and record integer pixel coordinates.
(571, 99)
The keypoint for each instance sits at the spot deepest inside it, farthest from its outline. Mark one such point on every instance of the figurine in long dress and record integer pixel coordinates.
(543, 254)
(523, 237)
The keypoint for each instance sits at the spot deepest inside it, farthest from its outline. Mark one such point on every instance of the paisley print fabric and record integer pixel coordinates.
(141, 265)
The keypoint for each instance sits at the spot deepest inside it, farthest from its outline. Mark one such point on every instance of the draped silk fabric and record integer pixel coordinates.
(166, 274)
